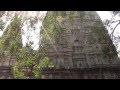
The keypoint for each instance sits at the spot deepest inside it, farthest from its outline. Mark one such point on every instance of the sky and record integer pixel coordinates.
(104, 14)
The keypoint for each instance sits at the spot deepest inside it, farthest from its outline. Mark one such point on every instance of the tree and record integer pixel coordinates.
(29, 63)
(112, 25)
(109, 23)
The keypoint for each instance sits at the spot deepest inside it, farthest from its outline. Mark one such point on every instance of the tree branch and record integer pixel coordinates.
(114, 30)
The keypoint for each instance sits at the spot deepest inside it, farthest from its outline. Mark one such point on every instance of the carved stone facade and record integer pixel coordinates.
(83, 43)
(79, 47)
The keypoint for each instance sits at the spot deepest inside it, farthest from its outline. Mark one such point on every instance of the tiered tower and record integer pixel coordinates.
(79, 45)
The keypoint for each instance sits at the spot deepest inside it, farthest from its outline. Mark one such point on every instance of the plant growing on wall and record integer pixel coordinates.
(29, 62)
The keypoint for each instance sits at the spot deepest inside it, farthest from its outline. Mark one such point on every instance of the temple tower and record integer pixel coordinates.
(77, 40)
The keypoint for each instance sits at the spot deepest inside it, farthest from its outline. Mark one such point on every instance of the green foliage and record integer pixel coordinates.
(17, 72)
(59, 19)
(30, 63)
(43, 64)
(12, 35)
(10, 42)
(42, 51)
(25, 61)
(51, 26)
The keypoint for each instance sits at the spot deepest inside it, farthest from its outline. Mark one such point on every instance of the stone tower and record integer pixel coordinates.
(10, 40)
(79, 45)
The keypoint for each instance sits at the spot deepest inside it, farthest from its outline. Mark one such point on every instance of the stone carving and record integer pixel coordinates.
(82, 46)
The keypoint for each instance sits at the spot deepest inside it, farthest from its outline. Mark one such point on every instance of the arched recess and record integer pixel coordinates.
(92, 60)
(76, 42)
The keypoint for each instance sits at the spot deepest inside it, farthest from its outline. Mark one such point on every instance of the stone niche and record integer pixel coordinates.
(79, 63)
(91, 60)
(66, 63)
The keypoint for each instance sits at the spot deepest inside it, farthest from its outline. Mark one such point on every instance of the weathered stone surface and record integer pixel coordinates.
(80, 40)
(1, 13)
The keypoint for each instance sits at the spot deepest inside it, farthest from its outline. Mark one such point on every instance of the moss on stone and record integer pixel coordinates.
(108, 47)
(59, 19)
(52, 26)
(91, 40)
(71, 15)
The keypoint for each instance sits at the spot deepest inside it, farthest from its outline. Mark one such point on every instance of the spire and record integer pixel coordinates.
(78, 38)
